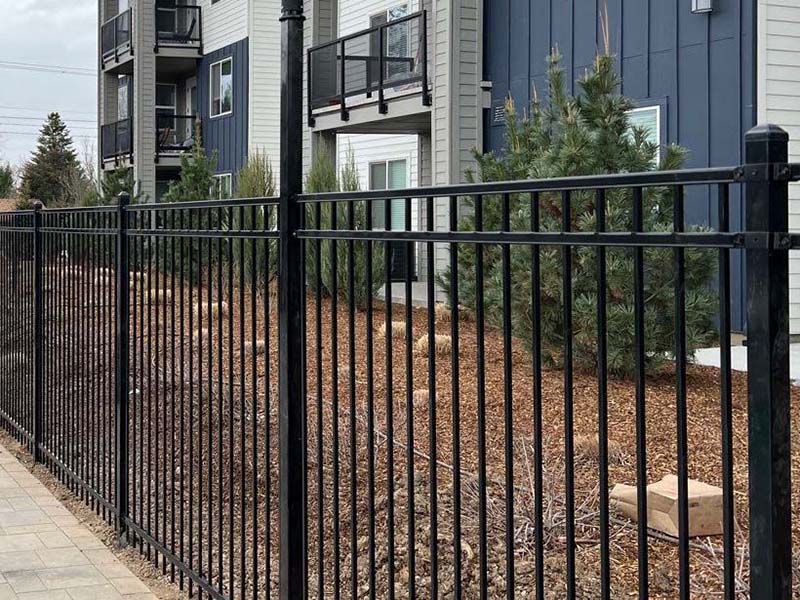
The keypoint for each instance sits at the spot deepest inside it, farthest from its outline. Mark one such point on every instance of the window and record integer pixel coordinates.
(396, 40)
(123, 97)
(222, 88)
(388, 175)
(649, 119)
(224, 186)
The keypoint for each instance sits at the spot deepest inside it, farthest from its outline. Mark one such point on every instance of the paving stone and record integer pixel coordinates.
(67, 577)
(45, 553)
(21, 560)
(129, 585)
(62, 557)
(25, 581)
(95, 592)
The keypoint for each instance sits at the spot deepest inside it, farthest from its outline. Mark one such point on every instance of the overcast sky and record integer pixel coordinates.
(56, 33)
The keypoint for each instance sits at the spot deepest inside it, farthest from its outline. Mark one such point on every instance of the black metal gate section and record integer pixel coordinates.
(224, 382)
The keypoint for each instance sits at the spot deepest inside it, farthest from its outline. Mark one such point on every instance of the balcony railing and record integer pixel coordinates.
(117, 34)
(117, 139)
(392, 57)
(178, 25)
(175, 133)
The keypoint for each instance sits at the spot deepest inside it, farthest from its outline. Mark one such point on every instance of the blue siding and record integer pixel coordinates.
(227, 135)
(699, 68)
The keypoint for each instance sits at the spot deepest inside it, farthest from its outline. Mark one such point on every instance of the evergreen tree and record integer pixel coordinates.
(322, 178)
(587, 134)
(6, 181)
(256, 180)
(49, 174)
(197, 181)
(113, 184)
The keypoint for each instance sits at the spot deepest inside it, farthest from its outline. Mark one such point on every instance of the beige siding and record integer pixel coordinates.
(224, 22)
(779, 103)
(265, 80)
(144, 105)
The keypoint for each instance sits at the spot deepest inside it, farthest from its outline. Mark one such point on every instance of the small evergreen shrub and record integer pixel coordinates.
(586, 134)
(322, 178)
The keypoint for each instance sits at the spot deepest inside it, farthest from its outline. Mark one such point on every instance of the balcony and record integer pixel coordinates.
(174, 137)
(179, 30)
(117, 41)
(372, 81)
(117, 140)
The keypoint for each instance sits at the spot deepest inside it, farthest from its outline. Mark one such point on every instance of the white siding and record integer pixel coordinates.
(779, 103)
(265, 80)
(377, 148)
(354, 15)
(224, 22)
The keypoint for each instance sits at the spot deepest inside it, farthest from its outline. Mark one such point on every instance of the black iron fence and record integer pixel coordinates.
(434, 449)
(391, 57)
(116, 35)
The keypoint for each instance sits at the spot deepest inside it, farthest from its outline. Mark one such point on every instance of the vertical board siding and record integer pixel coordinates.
(779, 103)
(226, 135)
(697, 67)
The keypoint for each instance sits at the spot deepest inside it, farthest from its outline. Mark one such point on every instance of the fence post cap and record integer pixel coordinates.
(123, 198)
(766, 132)
(38, 205)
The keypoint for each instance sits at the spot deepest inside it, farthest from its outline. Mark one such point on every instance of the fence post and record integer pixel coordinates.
(38, 332)
(290, 304)
(767, 208)
(121, 391)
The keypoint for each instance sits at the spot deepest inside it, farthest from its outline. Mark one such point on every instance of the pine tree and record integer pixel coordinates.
(323, 178)
(570, 136)
(256, 180)
(54, 164)
(113, 184)
(6, 181)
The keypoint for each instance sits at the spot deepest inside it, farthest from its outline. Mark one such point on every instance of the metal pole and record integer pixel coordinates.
(290, 303)
(768, 366)
(121, 361)
(38, 332)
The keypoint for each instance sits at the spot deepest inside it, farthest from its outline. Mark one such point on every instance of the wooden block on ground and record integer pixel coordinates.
(705, 506)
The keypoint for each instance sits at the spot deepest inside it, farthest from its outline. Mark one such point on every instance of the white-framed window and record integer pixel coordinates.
(396, 40)
(123, 97)
(222, 87)
(649, 119)
(166, 16)
(166, 108)
(224, 186)
(389, 175)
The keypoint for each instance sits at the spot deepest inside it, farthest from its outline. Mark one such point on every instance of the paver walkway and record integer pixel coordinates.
(46, 553)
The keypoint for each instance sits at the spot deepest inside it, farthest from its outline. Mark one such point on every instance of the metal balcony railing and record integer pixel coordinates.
(117, 34)
(175, 133)
(178, 25)
(117, 139)
(389, 57)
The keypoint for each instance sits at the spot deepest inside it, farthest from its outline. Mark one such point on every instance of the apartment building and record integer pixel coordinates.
(411, 87)
(170, 68)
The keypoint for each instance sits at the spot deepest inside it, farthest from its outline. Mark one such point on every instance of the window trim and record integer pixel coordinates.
(220, 177)
(211, 88)
(407, 184)
(658, 107)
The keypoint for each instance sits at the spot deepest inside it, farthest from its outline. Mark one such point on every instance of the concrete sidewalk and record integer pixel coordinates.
(45, 553)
